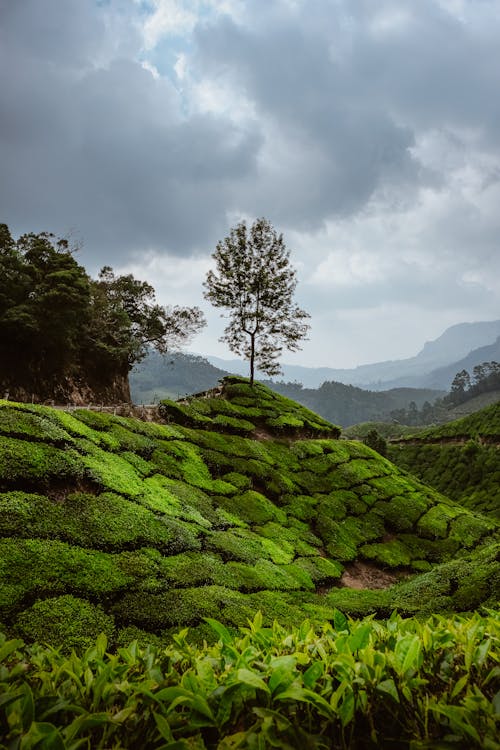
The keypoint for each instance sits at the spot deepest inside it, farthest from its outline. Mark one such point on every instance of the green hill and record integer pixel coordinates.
(460, 459)
(241, 500)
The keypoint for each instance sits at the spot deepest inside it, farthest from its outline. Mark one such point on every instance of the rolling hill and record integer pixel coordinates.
(460, 458)
(241, 500)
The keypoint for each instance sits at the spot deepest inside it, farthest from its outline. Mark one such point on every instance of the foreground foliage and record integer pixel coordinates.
(346, 685)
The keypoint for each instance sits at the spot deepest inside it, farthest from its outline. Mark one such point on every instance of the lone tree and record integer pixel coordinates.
(255, 282)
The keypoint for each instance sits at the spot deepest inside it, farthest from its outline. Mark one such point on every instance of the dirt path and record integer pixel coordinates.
(365, 575)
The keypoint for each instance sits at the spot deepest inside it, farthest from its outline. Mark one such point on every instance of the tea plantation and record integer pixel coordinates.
(114, 529)
(222, 511)
(460, 459)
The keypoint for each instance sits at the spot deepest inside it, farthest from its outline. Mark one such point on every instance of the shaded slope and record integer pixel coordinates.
(156, 526)
(460, 459)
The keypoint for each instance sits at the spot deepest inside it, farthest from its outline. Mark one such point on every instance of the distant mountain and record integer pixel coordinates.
(443, 377)
(171, 376)
(452, 346)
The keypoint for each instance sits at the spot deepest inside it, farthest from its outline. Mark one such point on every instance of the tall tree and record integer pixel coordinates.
(255, 283)
(63, 333)
(126, 322)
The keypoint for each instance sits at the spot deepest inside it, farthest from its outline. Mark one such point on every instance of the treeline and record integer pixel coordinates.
(485, 379)
(64, 335)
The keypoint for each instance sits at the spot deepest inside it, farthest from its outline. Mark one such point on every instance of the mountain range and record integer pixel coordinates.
(461, 345)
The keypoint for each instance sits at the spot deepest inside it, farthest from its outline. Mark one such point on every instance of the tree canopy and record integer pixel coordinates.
(254, 281)
(60, 326)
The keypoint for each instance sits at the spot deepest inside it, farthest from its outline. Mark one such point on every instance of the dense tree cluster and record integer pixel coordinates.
(485, 378)
(62, 331)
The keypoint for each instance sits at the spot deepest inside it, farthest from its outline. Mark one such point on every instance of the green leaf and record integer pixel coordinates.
(101, 644)
(223, 633)
(282, 723)
(481, 653)
(302, 695)
(7, 648)
(43, 735)
(250, 678)
(407, 653)
(313, 674)
(167, 695)
(360, 637)
(27, 707)
(200, 705)
(283, 672)
(388, 687)
(346, 707)
(458, 720)
(340, 621)
(496, 703)
(163, 727)
(459, 686)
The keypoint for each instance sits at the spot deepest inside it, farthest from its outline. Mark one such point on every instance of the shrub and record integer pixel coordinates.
(36, 464)
(394, 554)
(65, 620)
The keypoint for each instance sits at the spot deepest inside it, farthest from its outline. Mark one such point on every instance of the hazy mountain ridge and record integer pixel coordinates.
(450, 348)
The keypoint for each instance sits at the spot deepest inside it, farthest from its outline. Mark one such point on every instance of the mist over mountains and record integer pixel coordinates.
(396, 385)
(461, 345)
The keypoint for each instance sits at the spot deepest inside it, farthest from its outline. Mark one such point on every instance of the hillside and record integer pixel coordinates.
(109, 523)
(460, 458)
(348, 405)
(171, 375)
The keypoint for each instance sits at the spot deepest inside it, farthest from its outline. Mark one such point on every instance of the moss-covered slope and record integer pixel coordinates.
(460, 459)
(118, 524)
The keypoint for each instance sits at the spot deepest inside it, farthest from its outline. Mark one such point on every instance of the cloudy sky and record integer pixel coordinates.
(367, 132)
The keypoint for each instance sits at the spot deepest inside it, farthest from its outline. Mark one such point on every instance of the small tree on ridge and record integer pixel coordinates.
(255, 282)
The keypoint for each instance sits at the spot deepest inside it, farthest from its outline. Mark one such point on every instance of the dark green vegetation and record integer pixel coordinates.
(405, 684)
(460, 459)
(68, 337)
(224, 510)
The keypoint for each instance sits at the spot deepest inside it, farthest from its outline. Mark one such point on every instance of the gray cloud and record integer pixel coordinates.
(369, 131)
(105, 150)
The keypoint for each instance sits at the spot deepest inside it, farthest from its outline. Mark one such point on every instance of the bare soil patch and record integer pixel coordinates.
(364, 575)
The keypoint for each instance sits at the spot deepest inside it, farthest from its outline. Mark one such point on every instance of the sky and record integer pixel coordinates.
(367, 132)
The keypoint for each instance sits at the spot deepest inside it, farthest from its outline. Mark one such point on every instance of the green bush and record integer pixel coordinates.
(252, 507)
(393, 554)
(100, 521)
(36, 464)
(341, 684)
(65, 620)
(22, 424)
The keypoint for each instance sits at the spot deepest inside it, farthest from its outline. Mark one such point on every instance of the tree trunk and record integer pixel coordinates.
(252, 359)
